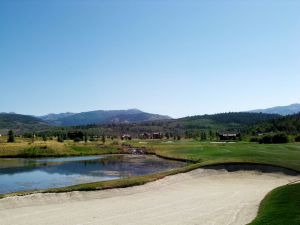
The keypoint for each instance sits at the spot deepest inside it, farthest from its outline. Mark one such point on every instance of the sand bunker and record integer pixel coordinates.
(203, 196)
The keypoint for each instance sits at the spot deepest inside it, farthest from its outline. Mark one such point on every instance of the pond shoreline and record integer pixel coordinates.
(140, 180)
(23, 174)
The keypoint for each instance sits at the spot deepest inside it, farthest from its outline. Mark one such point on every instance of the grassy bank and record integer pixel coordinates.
(26, 149)
(281, 206)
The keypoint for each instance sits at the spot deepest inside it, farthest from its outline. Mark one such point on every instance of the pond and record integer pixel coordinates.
(18, 174)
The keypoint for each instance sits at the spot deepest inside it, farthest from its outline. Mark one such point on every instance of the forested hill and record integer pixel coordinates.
(195, 124)
(20, 122)
(102, 117)
(243, 118)
(227, 120)
(288, 124)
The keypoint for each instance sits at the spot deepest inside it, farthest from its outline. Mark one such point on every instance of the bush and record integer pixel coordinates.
(44, 137)
(275, 139)
(77, 139)
(280, 138)
(27, 135)
(254, 139)
(267, 139)
(297, 139)
(60, 139)
(11, 137)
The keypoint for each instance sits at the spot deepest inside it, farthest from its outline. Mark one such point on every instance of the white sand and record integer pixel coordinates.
(199, 197)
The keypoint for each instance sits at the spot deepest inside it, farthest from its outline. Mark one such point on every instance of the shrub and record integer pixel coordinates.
(280, 138)
(267, 139)
(297, 139)
(254, 139)
(44, 137)
(275, 139)
(11, 137)
(60, 139)
(77, 139)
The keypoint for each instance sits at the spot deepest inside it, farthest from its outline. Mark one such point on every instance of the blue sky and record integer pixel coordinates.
(170, 57)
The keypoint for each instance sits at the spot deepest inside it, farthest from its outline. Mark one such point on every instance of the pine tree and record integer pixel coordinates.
(11, 137)
(103, 139)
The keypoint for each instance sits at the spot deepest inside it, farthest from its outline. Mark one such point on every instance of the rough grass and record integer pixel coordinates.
(25, 149)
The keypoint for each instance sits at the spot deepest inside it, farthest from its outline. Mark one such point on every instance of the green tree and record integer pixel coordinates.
(211, 135)
(85, 138)
(33, 138)
(44, 137)
(203, 136)
(11, 136)
(103, 139)
(60, 138)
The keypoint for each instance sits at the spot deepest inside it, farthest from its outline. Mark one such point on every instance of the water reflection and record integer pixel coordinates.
(30, 174)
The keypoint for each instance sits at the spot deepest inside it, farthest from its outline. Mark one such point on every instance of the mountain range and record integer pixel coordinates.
(281, 110)
(101, 117)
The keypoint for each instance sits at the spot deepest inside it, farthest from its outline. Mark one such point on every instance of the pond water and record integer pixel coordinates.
(18, 174)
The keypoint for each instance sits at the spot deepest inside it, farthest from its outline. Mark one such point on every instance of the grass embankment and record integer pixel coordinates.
(26, 149)
(281, 206)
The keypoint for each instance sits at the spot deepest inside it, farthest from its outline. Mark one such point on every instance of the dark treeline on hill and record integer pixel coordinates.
(21, 123)
(190, 127)
(288, 124)
(233, 119)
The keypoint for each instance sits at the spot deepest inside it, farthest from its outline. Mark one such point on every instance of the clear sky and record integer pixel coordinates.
(169, 57)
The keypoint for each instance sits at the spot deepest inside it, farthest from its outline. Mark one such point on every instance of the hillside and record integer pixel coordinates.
(288, 124)
(192, 125)
(21, 123)
(281, 110)
(101, 117)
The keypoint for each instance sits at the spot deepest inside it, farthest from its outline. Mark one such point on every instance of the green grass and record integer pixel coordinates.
(280, 207)
(284, 155)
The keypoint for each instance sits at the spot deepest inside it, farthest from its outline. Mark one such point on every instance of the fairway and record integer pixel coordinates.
(285, 155)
